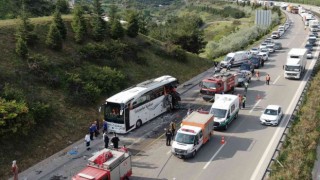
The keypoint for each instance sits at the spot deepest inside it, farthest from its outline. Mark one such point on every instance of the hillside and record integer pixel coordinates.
(67, 118)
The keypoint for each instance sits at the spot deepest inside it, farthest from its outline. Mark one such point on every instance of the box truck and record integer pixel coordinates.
(296, 63)
(195, 131)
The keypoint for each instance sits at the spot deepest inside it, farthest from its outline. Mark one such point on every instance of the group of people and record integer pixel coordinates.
(267, 77)
(170, 132)
(94, 131)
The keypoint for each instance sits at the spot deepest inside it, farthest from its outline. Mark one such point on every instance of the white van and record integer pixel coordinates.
(224, 109)
(235, 58)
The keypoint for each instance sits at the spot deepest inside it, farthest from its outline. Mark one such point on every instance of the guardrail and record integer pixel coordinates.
(292, 118)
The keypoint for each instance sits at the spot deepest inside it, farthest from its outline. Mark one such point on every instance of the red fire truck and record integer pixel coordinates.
(218, 84)
(107, 165)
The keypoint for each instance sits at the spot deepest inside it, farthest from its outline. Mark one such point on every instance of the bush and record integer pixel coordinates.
(88, 86)
(177, 53)
(21, 47)
(40, 111)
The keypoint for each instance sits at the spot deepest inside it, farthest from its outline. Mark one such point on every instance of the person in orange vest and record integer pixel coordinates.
(267, 79)
(258, 75)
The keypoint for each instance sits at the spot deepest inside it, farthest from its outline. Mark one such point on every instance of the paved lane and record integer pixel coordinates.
(249, 145)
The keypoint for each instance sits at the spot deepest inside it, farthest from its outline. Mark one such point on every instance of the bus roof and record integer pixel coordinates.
(135, 91)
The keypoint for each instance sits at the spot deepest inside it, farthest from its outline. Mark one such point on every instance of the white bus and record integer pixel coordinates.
(136, 105)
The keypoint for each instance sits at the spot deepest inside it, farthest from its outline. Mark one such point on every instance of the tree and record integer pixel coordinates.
(97, 8)
(143, 24)
(112, 13)
(133, 24)
(21, 47)
(78, 24)
(98, 24)
(54, 39)
(63, 6)
(117, 30)
(60, 24)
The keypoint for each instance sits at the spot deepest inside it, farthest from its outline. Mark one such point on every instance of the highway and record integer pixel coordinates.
(249, 145)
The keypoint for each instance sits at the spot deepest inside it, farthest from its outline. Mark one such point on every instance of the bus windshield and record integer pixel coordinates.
(219, 113)
(113, 113)
(185, 138)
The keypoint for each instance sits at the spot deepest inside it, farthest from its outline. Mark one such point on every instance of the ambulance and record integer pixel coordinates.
(225, 109)
(196, 130)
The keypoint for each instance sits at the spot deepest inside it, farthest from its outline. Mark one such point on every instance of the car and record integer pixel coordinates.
(255, 50)
(287, 25)
(248, 66)
(264, 50)
(277, 46)
(263, 45)
(264, 56)
(270, 47)
(271, 115)
(315, 34)
(256, 61)
(268, 40)
(243, 76)
(275, 35)
(312, 40)
(309, 47)
(281, 32)
(309, 54)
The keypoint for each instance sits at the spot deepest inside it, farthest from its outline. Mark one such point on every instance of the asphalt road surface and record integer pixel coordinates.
(248, 148)
(249, 145)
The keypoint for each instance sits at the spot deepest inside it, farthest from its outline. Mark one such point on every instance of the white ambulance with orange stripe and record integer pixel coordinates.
(196, 130)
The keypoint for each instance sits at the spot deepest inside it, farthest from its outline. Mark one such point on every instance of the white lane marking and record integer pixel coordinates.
(215, 154)
(276, 134)
(274, 82)
(254, 106)
(169, 152)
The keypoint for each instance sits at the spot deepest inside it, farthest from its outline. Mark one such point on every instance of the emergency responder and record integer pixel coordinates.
(168, 137)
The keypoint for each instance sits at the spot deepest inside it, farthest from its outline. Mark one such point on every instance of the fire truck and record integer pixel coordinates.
(107, 164)
(218, 84)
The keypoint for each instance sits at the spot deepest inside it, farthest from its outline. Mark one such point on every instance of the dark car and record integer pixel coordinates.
(308, 46)
(315, 34)
(256, 61)
(248, 66)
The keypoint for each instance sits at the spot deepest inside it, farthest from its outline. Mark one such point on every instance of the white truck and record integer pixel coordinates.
(314, 25)
(195, 131)
(225, 109)
(235, 58)
(296, 63)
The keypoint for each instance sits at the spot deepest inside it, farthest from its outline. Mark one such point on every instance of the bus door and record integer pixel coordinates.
(127, 115)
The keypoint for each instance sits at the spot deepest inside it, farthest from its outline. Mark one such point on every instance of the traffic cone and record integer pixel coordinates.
(222, 140)
(258, 97)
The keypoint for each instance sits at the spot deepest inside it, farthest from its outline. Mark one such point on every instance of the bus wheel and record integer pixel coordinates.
(138, 124)
(194, 153)
(236, 116)
(226, 127)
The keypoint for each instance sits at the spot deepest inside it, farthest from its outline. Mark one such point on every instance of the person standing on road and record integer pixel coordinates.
(267, 79)
(87, 139)
(240, 100)
(92, 130)
(168, 137)
(97, 127)
(173, 128)
(106, 140)
(105, 126)
(115, 141)
(15, 170)
(258, 75)
(246, 85)
(244, 99)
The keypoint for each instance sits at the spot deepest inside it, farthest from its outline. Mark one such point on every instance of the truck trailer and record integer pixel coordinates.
(296, 63)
